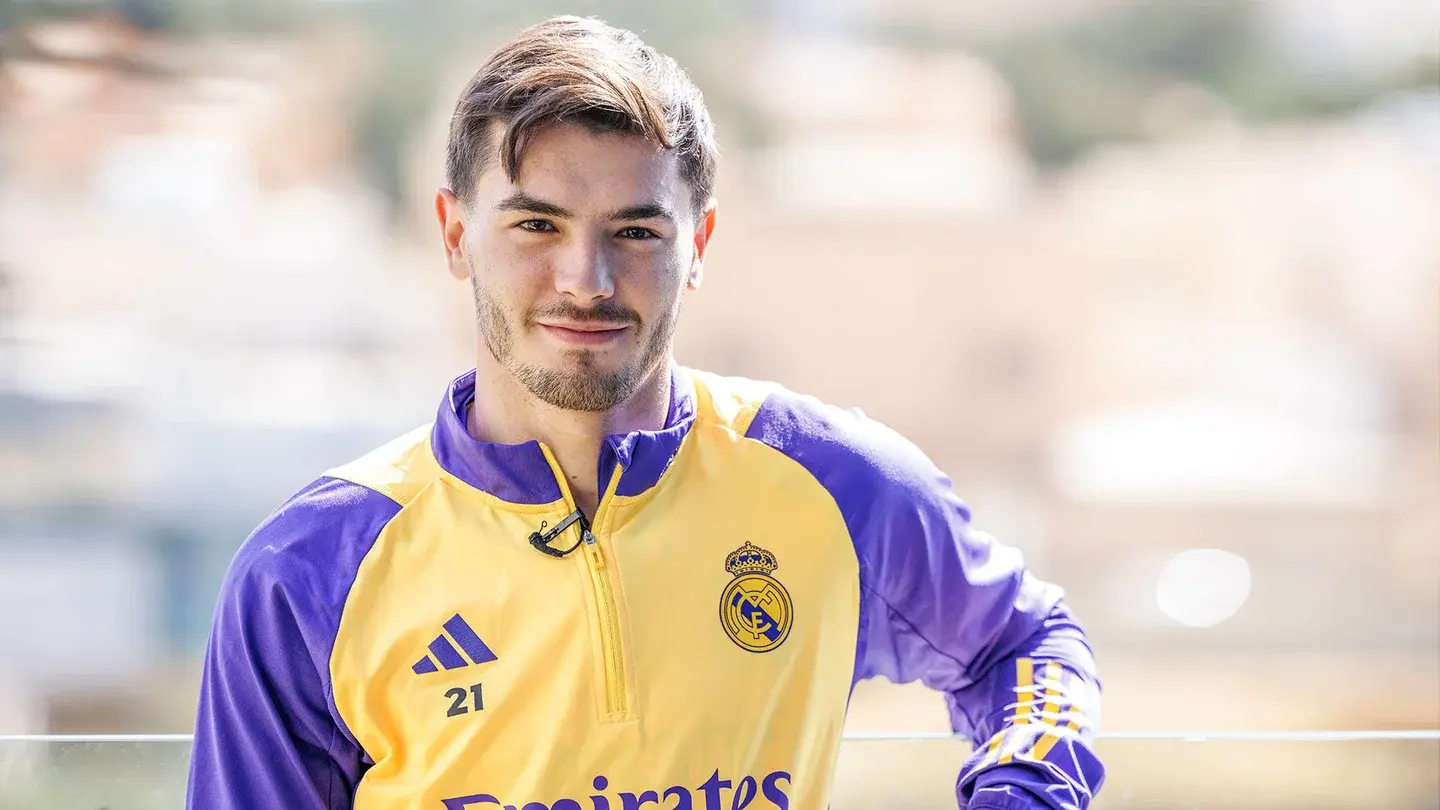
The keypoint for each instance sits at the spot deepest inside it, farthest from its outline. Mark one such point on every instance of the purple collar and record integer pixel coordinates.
(518, 473)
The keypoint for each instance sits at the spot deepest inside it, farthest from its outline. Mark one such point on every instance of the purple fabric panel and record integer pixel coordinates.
(1070, 774)
(645, 455)
(1019, 788)
(1061, 640)
(941, 603)
(517, 473)
(1067, 778)
(947, 598)
(267, 732)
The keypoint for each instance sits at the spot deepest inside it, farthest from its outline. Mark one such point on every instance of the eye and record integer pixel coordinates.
(536, 225)
(636, 232)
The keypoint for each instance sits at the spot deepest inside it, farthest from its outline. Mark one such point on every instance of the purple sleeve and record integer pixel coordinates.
(267, 733)
(946, 605)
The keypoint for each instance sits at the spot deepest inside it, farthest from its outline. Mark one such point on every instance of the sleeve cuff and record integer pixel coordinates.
(1022, 786)
(996, 800)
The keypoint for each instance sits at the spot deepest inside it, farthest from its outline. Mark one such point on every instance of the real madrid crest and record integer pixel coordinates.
(755, 609)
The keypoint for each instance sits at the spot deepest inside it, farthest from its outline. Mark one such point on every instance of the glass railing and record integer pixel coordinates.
(1235, 771)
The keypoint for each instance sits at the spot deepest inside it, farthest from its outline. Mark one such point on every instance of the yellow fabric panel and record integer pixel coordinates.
(398, 469)
(706, 707)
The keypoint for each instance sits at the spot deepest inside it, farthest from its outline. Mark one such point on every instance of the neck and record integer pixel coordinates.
(505, 412)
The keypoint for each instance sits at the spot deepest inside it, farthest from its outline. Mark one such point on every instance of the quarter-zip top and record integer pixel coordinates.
(395, 638)
(699, 640)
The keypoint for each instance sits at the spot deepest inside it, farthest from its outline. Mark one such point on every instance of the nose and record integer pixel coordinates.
(584, 270)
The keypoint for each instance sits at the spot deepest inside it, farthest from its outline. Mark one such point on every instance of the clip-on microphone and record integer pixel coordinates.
(541, 539)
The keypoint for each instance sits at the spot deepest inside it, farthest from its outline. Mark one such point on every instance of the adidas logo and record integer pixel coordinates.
(442, 649)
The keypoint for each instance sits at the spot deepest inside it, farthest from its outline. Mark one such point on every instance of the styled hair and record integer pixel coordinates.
(582, 71)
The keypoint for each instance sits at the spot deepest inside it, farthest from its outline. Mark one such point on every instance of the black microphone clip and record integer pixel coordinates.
(541, 539)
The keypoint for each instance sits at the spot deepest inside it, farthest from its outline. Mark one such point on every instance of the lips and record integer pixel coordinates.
(586, 326)
(586, 333)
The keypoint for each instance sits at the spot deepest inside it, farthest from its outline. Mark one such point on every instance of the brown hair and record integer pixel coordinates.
(572, 69)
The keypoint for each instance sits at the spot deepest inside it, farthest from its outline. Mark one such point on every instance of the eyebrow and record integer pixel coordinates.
(644, 211)
(520, 201)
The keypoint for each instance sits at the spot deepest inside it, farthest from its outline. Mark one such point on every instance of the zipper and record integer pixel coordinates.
(615, 701)
(612, 652)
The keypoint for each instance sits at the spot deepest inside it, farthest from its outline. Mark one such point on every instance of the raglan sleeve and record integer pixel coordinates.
(953, 608)
(267, 732)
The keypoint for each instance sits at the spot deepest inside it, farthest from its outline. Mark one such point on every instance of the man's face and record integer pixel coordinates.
(578, 267)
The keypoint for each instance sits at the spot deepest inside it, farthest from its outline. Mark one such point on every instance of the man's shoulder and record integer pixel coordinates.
(398, 469)
(306, 553)
(317, 537)
(727, 401)
(835, 443)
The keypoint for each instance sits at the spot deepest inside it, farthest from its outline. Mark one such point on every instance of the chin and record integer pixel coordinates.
(575, 370)
(587, 361)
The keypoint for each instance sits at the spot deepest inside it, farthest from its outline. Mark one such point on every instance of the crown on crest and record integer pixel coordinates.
(750, 559)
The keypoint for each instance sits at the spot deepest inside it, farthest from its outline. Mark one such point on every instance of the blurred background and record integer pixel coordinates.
(1157, 284)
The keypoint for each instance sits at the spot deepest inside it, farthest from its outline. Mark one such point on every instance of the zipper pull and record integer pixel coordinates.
(592, 548)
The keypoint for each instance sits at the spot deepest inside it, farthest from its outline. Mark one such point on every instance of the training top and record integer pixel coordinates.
(394, 637)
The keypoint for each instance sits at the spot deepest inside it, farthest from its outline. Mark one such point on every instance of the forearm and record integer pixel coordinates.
(1034, 745)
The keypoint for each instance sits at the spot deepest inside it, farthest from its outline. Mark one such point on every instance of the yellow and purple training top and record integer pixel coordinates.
(391, 637)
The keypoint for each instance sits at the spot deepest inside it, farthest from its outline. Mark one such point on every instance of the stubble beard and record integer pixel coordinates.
(585, 389)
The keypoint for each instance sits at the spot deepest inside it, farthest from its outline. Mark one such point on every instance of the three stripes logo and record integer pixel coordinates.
(443, 649)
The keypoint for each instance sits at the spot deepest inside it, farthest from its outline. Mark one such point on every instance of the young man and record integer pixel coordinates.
(600, 581)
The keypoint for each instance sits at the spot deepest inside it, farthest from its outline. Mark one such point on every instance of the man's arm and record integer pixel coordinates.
(267, 733)
(960, 614)
(948, 606)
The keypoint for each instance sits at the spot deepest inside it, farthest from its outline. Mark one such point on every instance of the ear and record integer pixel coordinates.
(451, 214)
(704, 228)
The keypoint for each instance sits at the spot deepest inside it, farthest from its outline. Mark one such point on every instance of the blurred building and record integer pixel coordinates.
(1196, 381)
(1170, 349)
(204, 308)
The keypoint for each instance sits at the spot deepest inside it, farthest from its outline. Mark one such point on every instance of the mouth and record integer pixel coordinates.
(586, 333)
